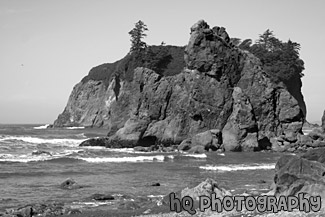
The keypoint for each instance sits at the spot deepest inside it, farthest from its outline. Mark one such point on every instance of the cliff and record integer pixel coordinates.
(155, 97)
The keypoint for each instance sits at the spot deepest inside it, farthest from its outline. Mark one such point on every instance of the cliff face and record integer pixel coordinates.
(221, 88)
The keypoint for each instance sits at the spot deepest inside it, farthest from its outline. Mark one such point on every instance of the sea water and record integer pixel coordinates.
(34, 161)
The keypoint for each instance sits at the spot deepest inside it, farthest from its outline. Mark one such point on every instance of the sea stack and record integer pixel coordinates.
(209, 86)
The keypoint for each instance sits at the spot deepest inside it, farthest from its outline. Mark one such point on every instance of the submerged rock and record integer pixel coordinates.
(102, 197)
(70, 184)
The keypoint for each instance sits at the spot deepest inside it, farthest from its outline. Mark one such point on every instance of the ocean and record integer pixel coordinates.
(34, 161)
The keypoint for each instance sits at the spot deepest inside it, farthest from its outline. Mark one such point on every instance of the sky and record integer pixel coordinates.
(48, 46)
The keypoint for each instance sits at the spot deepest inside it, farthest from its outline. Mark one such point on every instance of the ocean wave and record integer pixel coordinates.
(78, 205)
(42, 127)
(236, 167)
(31, 157)
(196, 155)
(74, 128)
(37, 140)
(159, 158)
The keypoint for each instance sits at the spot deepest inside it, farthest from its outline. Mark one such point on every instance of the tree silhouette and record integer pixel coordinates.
(137, 34)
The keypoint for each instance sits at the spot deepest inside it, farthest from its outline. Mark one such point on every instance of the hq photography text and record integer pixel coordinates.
(250, 203)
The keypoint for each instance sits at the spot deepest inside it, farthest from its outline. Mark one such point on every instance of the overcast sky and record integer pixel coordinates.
(46, 47)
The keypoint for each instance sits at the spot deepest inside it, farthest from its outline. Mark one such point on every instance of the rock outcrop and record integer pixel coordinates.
(305, 174)
(221, 89)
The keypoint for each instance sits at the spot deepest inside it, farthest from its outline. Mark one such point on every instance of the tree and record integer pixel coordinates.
(268, 41)
(137, 34)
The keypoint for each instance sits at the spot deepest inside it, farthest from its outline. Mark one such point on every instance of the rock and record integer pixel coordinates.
(25, 212)
(141, 149)
(202, 139)
(206, 188)
(70, 184)
(197, 149)
(41, 152)
(216, 86)
(104, 142)
(155, 184)
(240, 132)
(102, 197)
(185, 145)
(305, 174)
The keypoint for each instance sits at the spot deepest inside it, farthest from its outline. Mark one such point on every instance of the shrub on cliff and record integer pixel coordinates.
(281, 59)
(165, 60)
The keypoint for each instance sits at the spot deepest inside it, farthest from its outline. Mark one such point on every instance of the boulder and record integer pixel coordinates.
(41, 152)
(203, 139)
(305, 174)
(70, 184)
(185, 145)
(101, 197)
(198, 149)
(240, 132)
(103, 141)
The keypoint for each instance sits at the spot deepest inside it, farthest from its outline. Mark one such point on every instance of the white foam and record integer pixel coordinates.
(74, 128)
(196, 155)
(236, 167)
(42, 127)
(77, 205)
(25, 158)
(159, 158)
(36, 140)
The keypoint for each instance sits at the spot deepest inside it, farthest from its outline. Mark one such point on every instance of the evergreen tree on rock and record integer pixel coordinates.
(137, 34)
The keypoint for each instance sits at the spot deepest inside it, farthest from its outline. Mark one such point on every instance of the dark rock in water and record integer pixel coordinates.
(261, 181)
(185, 145)
(155, 184)
(102, 197)
(96, 142)
(303, 174)
(220, 88)
(74, 211)
(40, 152)
(70, 184)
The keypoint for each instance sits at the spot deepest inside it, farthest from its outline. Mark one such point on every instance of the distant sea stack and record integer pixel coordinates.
(169, 94)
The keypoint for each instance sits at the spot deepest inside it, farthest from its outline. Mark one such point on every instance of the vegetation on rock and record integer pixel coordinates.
(280, 59)
(165, 60)
(137, 34)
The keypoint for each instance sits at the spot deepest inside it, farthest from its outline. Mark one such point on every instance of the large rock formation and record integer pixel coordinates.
(221, 88)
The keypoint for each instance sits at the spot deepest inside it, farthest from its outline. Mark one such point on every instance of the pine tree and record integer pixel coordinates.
(137, 34)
